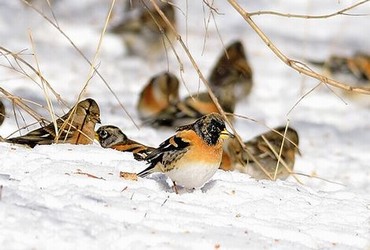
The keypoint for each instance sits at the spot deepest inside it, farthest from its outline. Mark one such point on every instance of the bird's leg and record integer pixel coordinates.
(175, 187)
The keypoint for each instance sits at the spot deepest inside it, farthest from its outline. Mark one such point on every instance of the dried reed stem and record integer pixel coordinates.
(298, 66)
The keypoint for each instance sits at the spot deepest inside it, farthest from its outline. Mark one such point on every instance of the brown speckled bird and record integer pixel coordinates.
(76, 127)
(141, 28)
(232, 74)
(112, 137)
(266, 149)
(161, 91)
(192, 156)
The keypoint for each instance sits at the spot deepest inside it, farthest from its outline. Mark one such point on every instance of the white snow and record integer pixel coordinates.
(49, 202)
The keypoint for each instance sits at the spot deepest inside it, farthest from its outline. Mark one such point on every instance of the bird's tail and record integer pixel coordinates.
(149, 170)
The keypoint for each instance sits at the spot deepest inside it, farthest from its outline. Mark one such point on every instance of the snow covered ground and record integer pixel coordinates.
(48, 200)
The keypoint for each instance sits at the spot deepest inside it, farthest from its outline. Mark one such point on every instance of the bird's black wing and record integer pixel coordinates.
(167, 152)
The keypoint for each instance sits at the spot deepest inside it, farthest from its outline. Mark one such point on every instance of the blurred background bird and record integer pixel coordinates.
(112, 137)
(75, 127)
(2, 112)
(189, 109)
(232, 74)
(266, 150)
(131, 5)
(143, 30)
(161, 91)
(354, 69)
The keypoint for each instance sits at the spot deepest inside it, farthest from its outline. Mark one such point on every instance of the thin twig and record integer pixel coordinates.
(164, 34)
(57, 27)
(291, 63)
(90, 74)
(79, 171)
(210, 6)
(19, 59)
(302, 97)
(320, 178)
(20, 103)
(340, 12)
(46, 94)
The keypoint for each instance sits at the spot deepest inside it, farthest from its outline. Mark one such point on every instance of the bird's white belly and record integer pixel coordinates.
(193, 175)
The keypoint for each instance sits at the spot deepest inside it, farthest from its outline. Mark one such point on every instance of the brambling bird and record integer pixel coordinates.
(112, 137)
(192, 156)
(142, 28)
(2, 112)
(191, 108)
(232, 73)
(356, 66)
(135, 4)
(161, 91)
(75, 127)
(265, 149)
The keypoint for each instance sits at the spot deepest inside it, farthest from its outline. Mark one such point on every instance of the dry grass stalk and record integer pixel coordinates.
(298, 66)
(90, 73)
(96, 71)
(19, 62)
(44, 88)
(18, 101)
(337, 13)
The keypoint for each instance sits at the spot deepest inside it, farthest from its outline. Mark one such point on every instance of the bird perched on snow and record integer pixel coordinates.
(144, 31)
(75, 127)
(266, 150)
(231, 77)
(161, 91)
(112, 137)
(192, 156)
(2, 112)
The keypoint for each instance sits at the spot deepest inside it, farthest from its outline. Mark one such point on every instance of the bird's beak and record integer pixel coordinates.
(299, 152)
(226, 134)
(96, 136)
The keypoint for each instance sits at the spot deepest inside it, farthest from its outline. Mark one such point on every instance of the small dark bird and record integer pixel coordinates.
(112, 137)
(232, 74)
(144, 31)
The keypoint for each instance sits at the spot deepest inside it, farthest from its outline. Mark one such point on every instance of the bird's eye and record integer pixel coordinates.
(213, 129)
(103, 134)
